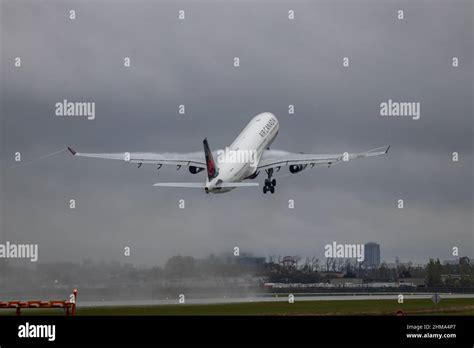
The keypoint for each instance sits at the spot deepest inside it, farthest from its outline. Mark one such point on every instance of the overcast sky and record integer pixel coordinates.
(282, 62)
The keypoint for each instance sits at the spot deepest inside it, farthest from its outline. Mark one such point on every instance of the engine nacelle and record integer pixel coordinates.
(195, 170)
(296, 168)
(253, 176)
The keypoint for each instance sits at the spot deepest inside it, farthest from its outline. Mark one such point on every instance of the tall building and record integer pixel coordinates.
(372, 254)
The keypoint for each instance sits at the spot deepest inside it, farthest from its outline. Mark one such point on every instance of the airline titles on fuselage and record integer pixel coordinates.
(268, 127)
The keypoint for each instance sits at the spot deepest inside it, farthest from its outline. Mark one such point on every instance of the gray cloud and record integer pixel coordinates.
(282, 62)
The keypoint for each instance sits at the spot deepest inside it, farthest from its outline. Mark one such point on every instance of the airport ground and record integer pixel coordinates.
(328, 307)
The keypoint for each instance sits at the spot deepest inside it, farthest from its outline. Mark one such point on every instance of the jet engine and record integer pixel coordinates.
(253, 176)
(195, 170)
(296, 168)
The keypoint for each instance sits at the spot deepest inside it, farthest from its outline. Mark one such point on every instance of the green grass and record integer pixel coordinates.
(352, 307)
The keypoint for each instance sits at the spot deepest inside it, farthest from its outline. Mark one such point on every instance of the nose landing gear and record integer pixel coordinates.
(269, 183)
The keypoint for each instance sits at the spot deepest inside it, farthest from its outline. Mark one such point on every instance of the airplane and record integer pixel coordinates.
(244, 159)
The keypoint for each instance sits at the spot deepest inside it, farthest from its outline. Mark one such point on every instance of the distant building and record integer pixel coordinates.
(451, 262)
(445, 277)
(345, 282)
(289, 262)
(395, 265)
(244, 259)
(332, 275)
(414, 281)
(250, 261)
(372, 254)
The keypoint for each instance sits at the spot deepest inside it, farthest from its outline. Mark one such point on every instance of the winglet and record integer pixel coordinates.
(71, 151)
(386, 151)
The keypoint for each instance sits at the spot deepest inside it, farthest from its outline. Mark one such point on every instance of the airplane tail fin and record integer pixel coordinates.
(210, 164)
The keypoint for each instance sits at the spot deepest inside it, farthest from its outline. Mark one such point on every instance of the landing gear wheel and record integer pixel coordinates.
(269, 182)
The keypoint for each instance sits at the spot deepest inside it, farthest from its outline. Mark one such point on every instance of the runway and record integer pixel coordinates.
(269, 298)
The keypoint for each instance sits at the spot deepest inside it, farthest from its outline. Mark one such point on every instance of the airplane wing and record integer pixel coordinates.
(278, 159)
(203, 184)
(195, 159)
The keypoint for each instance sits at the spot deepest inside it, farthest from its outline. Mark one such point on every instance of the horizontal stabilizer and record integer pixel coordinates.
(238, 184)
(181, 184)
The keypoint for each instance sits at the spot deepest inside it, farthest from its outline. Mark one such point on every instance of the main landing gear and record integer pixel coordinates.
(269, 183)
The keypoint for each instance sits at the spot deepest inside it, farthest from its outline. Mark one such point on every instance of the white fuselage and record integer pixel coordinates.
(247, 149)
